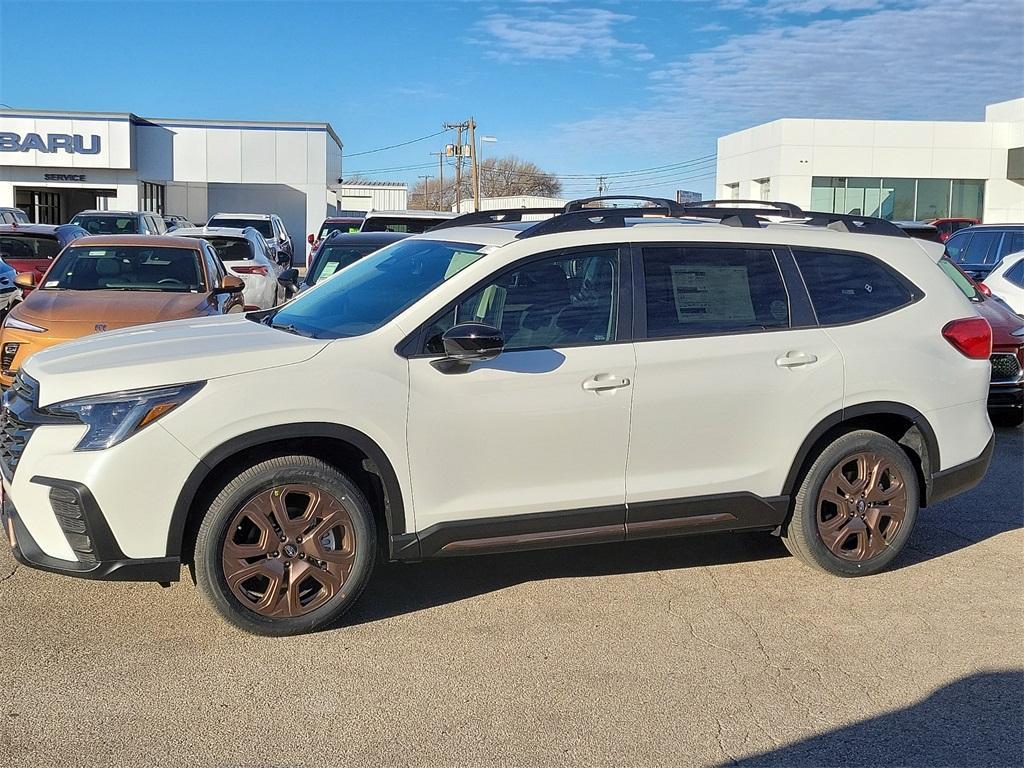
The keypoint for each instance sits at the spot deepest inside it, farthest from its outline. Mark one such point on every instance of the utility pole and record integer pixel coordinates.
(476, 165)
(601, 185)
(440, 178)
(458, 153)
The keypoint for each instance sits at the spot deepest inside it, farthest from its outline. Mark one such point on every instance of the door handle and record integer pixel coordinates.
(604, 381)
(794, 359)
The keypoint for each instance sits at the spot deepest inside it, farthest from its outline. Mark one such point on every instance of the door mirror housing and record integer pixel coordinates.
(289, 278)
(472, 342)
(310, 238)
(229, 284)
(283, 259)
(25, 280)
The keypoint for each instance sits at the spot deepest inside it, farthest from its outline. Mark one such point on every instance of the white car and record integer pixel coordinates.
(595, 377)
(1007, 281)
(10, 294)
(270, 225)
(245, 254)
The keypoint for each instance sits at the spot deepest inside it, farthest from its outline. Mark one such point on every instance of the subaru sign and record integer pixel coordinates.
(73, 144)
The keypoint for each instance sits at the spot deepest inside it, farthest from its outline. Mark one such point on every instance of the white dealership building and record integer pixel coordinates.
(902, 170)
(55, 164)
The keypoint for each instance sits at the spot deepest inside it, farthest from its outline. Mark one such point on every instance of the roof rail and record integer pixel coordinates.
(494, 216)
(586, 218)
(846, 222)
(784, 209)
(668, 207)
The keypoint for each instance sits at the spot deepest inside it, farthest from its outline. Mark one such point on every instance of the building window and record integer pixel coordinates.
(41, 206)
(764, 188)
(153, 197)
(898, 199)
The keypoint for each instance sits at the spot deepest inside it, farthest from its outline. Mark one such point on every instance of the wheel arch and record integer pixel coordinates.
(348, 449)
(900, 422)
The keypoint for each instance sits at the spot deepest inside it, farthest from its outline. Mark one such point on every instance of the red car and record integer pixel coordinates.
(32, 247)
(950, 225)
(1006, 392)
(348, 223)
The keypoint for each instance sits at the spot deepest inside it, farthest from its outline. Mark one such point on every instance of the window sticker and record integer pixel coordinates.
(329, 269)
(461, 260)
(52, 283)
(719, 292)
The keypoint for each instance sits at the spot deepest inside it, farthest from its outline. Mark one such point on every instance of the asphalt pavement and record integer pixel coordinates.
(712, 650)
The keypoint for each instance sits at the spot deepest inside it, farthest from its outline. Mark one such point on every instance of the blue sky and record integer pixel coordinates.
(581, 88)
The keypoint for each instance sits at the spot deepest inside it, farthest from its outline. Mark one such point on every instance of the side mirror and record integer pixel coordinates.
(310, 239)
(26, 280)
(472, 342)
(229, 284)
(289, 278)
(283, 259)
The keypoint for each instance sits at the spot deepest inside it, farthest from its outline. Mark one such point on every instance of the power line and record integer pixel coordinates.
(394, 146)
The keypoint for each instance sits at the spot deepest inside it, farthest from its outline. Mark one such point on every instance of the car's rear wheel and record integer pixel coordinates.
(856, 506)
(286, 547)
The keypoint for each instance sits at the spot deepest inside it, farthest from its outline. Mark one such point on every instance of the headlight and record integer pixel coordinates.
(21, 325)
(116, 417)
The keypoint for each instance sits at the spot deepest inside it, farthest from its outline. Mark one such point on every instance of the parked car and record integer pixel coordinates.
(105, 282)
(13, 216)
(10, 294)
(409, 222)
(978, 249)
(1006, 391)
(948, 226)
(340, 250)
(267, 224)
(332, 224)
(32, 247)
(246, 254)
(1007, 281)
(476, 388)
(120, 222)
(920, 230)
(176, 222)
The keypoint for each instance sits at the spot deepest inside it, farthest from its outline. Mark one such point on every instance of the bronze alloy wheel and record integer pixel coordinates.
(288, 550)
(862, 506)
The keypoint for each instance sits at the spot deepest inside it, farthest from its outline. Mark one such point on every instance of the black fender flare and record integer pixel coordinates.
(877, 408)
(394, 512)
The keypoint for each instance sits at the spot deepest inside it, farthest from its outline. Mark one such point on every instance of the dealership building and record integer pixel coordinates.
(901, 170)
(55, 164)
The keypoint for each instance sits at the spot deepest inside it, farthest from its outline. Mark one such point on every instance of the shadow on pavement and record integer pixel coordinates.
(976, 721)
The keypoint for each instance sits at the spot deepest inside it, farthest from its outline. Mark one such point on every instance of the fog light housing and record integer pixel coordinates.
(7, 355)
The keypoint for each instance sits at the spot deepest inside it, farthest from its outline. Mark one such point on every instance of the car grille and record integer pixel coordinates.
(1005, 367)
(14, 432)
(67, 508)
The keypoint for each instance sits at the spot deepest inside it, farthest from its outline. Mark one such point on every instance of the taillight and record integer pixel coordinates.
(254, 270)
(972, 337)
(985, 290)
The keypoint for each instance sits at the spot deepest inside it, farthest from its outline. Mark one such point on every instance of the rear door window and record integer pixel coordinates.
(850, 287)
(700, 291)
(1013, 242)
(983, 248)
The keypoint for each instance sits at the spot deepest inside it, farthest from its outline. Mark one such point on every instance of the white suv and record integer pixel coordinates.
(500, 384)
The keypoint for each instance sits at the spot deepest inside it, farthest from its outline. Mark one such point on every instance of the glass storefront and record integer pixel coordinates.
(898, 199)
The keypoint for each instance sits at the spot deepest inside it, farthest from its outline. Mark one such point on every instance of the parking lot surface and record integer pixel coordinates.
(716, 650)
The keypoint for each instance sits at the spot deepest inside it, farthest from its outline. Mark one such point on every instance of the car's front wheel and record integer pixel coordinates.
(286, 546)
(856, 506)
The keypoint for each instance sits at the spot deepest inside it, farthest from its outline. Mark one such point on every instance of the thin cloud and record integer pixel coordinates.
(547, 34)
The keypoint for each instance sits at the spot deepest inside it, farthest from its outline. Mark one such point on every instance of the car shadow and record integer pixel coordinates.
(399, 588)
(975, 721)
(992, 508)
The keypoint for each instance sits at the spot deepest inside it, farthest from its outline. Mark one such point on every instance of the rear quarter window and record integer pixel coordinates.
(851, 287)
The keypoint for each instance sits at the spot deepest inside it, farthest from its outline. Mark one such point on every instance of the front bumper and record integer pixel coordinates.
(110, 564)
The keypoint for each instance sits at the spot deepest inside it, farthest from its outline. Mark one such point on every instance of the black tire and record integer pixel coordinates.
(1007, 417)
(239, 491)
(802, 536)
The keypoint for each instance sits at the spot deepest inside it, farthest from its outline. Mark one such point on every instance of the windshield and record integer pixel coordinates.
(126, 268)
(338, 226)
(964, 283)
(260, 225)
(28, 247)
(335, 258)
(107, 225)
(409, 224)
(374, 289)
(231, 248)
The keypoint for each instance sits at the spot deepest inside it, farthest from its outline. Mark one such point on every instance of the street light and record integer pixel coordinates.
(488, 140)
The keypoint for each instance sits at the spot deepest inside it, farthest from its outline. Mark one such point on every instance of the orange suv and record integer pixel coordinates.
(112, 281)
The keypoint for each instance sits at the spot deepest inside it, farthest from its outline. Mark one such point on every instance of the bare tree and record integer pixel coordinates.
(499, 176)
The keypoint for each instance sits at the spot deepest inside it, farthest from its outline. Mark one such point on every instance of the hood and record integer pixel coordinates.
(1003, 320)
(115, 309)
(163, 354)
